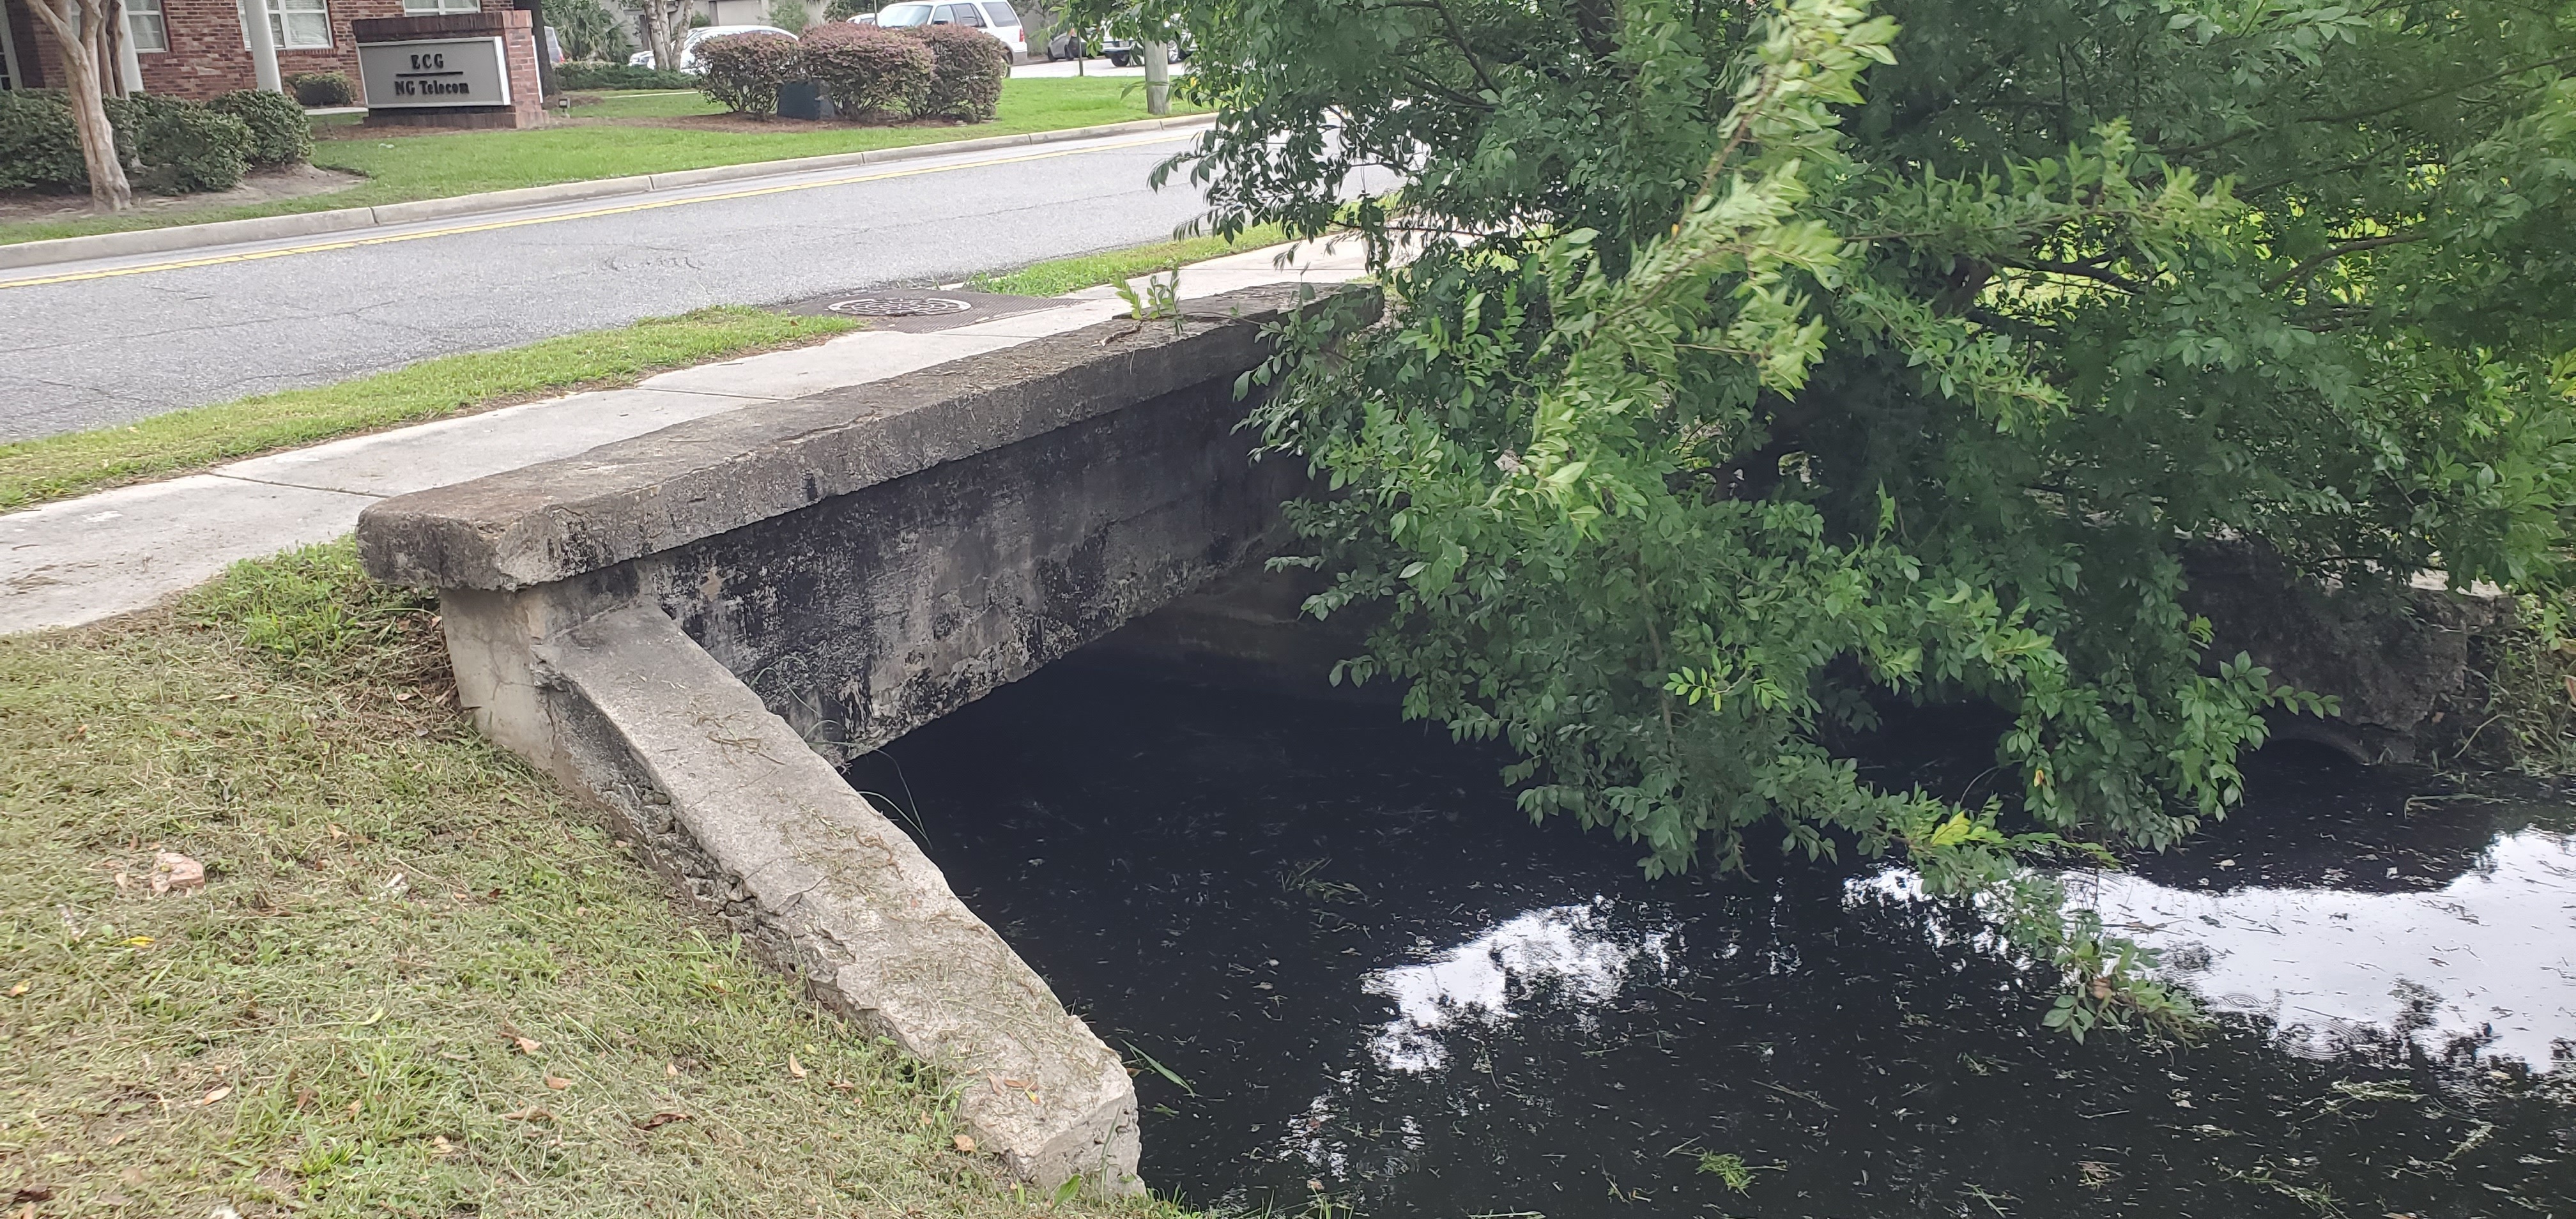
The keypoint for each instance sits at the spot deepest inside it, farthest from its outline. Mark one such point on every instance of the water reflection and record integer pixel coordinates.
(2487, 961)
(1375, 976)
(1574, 955)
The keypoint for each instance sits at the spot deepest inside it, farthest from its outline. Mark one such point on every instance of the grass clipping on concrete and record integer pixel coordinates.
(55, 467)
(417, 980)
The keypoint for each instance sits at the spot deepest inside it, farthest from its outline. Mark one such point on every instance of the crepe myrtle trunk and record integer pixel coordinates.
(80, 28)
(666, 24)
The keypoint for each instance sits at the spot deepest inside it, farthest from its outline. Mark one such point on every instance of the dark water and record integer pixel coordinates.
(1379, 980)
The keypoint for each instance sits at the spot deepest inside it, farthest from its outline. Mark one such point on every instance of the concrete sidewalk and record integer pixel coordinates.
(84, 559)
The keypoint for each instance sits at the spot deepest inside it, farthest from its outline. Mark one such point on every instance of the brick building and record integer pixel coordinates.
(199, 48)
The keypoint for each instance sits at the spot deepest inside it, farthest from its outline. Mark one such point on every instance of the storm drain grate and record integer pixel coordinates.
(900, 306)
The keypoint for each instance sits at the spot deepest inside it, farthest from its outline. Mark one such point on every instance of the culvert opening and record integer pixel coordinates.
(1333, 951)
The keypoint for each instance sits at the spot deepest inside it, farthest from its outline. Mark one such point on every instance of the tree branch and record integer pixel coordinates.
(2078, 270)
(2299, 274)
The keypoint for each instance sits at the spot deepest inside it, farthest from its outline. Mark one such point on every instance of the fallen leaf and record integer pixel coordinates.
(439, 1146)
(145, 941)
(670, 1070)
(355, 1107)
(557, 1082)
(527, 1045)
(174, 871)
(659, 1120)
(17, 990)
(33, 1193)
(794, 1067)
(216, 1095)
(965, 1144)
(530, 1114)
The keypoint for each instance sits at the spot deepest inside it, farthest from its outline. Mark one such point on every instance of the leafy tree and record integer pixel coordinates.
(790, 15)
(590, 31)
(1754, 367)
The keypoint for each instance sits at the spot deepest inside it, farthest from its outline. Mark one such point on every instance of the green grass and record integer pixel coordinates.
(332, 1024)
(404, 168)
(54, 467)
(1062, 275)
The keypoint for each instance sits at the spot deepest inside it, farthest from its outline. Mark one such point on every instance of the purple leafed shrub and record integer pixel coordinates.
(742, 72)
(863, 68)
(967, 70)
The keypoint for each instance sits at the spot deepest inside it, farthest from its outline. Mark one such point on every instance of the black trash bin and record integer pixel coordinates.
(803, 99)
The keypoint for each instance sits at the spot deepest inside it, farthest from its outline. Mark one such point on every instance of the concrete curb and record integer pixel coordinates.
(347, 219)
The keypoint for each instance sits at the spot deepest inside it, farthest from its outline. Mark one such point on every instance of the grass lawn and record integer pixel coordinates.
(54, 467)
(417, 981)
(403, 168)
(1059, 276)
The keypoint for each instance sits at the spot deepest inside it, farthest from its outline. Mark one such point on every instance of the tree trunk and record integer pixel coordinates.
(79, 27)
(1158, 78)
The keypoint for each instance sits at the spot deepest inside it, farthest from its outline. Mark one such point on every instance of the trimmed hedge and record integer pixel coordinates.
(619, 76)
(321, 89)
(177, 146)
(742, 72)
(168, 144)
(967, 70)
(39, 147)
(279, 132)
(863, 68)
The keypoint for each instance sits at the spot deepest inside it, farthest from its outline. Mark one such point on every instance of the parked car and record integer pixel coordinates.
(689, 43)
(994, 17)
(1125, 51)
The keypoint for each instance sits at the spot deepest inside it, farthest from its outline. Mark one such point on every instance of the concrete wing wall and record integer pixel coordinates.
(678, 625)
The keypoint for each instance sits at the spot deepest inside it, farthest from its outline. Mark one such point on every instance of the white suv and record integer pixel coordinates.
(994, 17)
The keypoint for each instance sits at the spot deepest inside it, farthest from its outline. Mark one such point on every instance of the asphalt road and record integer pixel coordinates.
(144, 336)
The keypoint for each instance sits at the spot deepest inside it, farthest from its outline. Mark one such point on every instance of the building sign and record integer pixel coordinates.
(434, 72)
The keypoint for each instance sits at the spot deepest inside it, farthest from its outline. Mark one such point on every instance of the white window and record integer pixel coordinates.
(300, 24)
(431, 8)
(296, 25)
(146, 26)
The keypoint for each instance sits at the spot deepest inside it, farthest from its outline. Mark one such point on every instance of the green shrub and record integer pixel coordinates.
(323, 88)
(742, 72)
(790, 15)
(279, 132)
(167, 144)
(967, 69)
(619, 76)
(178, 146)
(843, 10)
(863, 68)
(39, 146)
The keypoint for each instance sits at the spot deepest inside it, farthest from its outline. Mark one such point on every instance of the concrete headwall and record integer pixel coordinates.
(675, 624)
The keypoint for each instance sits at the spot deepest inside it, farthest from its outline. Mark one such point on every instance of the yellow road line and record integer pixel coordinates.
(350, 243)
